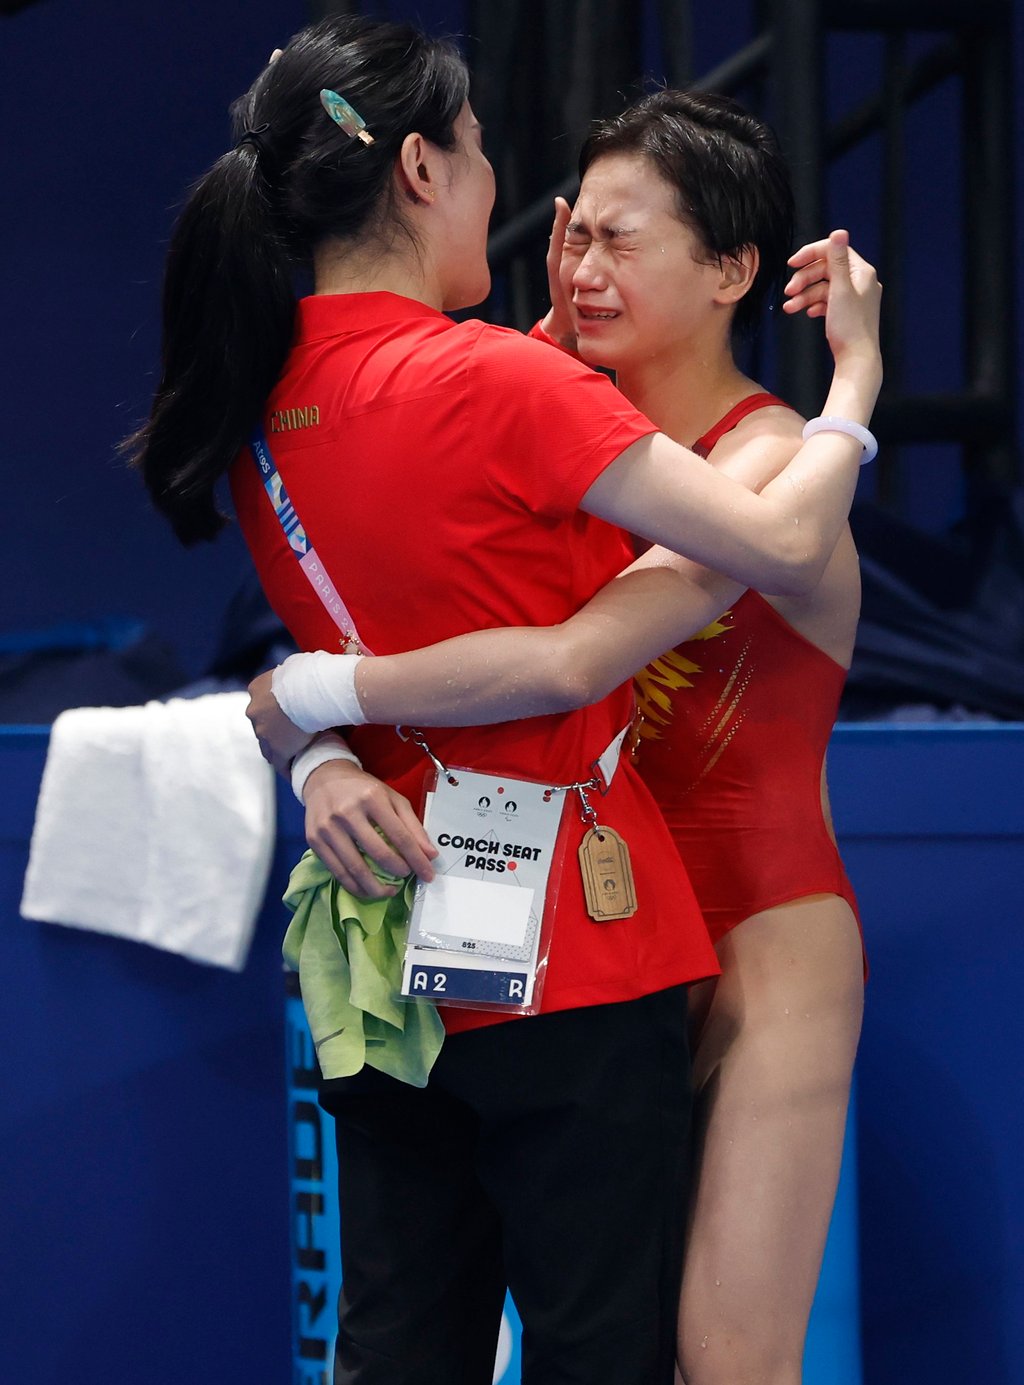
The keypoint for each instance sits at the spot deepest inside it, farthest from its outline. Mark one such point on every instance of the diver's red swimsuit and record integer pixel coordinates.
(735, 727)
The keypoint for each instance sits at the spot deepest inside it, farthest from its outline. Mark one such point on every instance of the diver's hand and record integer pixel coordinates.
(808, 289)
(558, 324)
(834, 282)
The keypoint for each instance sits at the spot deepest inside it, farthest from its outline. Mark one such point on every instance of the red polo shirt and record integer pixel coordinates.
(437, 469)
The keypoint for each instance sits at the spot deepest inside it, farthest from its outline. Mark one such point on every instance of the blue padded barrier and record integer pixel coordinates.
(142, 1145)
(143, 1132)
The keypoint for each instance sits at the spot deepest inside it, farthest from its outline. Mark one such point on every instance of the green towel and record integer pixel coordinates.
(348, 953)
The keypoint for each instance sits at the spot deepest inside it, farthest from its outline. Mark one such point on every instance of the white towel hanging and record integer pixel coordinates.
(155, 823)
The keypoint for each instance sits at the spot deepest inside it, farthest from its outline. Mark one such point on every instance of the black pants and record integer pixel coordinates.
(548, 1154)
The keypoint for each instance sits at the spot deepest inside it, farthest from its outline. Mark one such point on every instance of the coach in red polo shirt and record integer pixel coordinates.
(438, 477)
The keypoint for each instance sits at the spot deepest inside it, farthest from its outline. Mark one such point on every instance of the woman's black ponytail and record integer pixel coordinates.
(292, 181)
(228, 310)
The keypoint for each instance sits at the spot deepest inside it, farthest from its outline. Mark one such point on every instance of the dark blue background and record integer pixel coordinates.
(143, 1149)
(109, 110)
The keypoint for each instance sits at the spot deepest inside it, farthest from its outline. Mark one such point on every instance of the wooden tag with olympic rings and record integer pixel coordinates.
(607, 875)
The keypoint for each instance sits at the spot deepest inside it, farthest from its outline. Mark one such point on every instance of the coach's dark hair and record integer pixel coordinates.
(731, 182)
(256, 217)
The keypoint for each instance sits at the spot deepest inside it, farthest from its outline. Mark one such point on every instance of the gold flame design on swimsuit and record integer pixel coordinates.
(725, 718)
(664, 676)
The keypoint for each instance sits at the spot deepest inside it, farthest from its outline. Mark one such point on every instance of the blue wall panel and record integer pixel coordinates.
(142, 1147)
(95, 181)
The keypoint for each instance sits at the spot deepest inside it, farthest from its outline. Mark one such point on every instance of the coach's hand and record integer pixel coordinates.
(280, 739)
(351, 816)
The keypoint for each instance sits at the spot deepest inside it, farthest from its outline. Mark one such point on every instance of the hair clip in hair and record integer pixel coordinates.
(343, 114)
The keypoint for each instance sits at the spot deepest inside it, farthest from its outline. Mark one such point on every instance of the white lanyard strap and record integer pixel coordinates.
(607, 762)
(604, 768)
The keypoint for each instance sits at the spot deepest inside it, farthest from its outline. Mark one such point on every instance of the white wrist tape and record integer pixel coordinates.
(318, 691)
(329, 746)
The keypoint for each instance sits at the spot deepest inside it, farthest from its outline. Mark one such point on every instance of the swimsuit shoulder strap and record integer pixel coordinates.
(728, 422)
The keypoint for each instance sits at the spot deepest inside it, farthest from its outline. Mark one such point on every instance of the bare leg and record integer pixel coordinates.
(772, 1070)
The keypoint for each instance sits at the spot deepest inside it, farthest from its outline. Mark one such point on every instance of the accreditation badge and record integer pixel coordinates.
(477, 934)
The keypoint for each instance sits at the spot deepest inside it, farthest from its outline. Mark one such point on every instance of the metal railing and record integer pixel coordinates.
(783, 68)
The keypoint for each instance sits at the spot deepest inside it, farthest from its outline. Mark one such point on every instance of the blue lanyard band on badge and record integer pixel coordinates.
(274, 486)
(298, 541)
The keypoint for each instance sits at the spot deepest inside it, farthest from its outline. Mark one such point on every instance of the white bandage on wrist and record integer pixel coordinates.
(329, 746)
(317, 691)
(830, 423)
